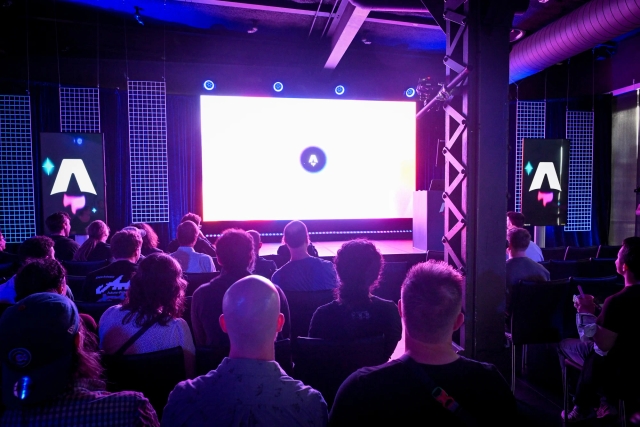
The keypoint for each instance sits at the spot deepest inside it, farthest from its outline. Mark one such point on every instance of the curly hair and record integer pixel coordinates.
(150, 241)
(234, 248)
(96, 231)
(39, 275)
(156, 288)
(56, 221)
(35, 247)
(358, 264)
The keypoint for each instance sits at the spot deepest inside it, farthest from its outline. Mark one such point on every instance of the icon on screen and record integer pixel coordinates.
(313, 159)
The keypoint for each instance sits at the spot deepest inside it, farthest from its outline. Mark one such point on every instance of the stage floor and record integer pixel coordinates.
(329, 249)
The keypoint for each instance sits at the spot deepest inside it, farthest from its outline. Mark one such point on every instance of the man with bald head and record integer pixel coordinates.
(249, 387)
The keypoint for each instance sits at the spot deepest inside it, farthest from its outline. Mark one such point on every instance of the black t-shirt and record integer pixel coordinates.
(101, 252)
(109, 283)
(336, 321)
(64, 247)
(264, 267)
(619, 315)
(391, 394)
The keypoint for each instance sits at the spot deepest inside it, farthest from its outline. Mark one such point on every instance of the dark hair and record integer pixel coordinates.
(39, 275)
(35, 247)
(431, 299)
(234, 249)
(358, 264)
(85, 363)
(55, 221)
(516, 219)
(187, 233)
(156, 288)
(96, 230)
(195, 218)
(518, 238)
(125, 244)
(150, 240)
(295, 234)
(630, 255)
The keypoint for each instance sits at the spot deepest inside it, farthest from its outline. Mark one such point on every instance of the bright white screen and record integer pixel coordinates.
(251, 151)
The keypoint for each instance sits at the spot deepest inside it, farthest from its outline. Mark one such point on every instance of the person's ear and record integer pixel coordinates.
(280, 322)
(459, 321)
(223, 324)
(400, 307)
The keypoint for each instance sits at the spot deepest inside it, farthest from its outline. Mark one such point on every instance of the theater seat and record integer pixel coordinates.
(83, 268)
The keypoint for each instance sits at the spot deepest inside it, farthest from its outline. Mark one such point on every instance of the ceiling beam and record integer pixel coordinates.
(343, 29)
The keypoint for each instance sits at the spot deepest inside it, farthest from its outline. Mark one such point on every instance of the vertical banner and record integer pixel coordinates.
(72, 177)
(545, 181)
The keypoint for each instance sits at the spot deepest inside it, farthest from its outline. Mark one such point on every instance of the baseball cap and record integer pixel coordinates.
(36, 348)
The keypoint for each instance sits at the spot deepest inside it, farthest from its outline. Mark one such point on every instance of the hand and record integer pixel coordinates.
(585, 304)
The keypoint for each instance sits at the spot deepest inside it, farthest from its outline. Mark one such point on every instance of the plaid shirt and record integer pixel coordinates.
(86, 404)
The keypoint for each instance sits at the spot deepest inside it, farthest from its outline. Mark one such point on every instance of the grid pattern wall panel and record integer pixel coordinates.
(79, 110)
(148, 151)
(580, 133)
(17, 212)
(530, 123)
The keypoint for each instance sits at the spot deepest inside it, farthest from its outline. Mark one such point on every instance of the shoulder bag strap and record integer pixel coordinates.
(135, 337)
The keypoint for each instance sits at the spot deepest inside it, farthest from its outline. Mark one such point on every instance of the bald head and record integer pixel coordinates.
(296, 235)
(251, 316)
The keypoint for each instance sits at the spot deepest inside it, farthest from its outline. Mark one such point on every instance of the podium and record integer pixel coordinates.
(428, 220)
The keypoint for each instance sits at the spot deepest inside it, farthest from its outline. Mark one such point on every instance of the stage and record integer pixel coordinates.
(390, 249)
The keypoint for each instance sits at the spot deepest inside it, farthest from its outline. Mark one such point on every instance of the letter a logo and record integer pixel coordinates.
(73, 167)
(545, 169)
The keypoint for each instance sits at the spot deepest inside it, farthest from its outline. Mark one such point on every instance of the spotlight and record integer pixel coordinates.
(410, 93)
(209, 85)
(339, 90)
(277, 86)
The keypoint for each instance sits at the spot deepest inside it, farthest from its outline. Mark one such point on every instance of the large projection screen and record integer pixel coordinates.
(329, 159)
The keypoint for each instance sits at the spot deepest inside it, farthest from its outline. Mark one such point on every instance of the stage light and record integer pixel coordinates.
(410, 93)
(339, 90)
(209, 85)
(77, 141)
(277, 86)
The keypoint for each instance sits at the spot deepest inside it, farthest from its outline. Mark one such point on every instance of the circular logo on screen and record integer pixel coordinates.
(313, 159)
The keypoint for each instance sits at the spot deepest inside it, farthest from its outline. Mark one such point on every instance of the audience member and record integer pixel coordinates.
(6, 257)
(155, 301)
(607, 350)
(203, 245)
(81, 221)
(95, 247)
(262, 267)
(419, 387)
(235, 256)
(150, 239)
(356, 313)
(516, 220)
(190, 260)
(249, 387)
(49, 377)
(59, 227)
(110, 283)
(37, 247)
(519, 265)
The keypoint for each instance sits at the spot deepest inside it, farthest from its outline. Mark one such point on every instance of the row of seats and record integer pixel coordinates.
(593, 267)
(568, 253)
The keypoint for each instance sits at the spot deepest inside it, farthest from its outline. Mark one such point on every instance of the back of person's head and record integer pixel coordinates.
(256, 240)
(431, 299)
(195, 218)
(3, 242)
(234, 250)
(516, 219)
(295, 234)
(518, 238)
(157, 288)
(358, 264)
(40, 275)
(42, 350)
(150, 240)
(187, 233)
(630, 255)
(126, 244)
(251, 309)
(56, 221)
(97, 230)
(36, 247)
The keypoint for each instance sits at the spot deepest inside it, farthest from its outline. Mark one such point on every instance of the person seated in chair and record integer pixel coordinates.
(203, 245)
(249, 387)
(516, 220)
(607, 351)
(50, 377)
(190, 260)
(235, 256)
(59, 226)
(419, 388)
(262, 267)
(95, 247)
(356, 313)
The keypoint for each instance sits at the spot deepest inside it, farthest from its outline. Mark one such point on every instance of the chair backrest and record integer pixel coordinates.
(435, 255)
(554, 253)
(95, 309)
(302, 305)
(602, 267)
(83, 268)
(542, 312)
(7, 270)
(324, 365)
(208, 358)
(599, 287)
(280, 260)
(153, 374)
(605, 251)
(575, 253)
(565, 269)
(393, 274)
(75, 283)
(195, 280)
